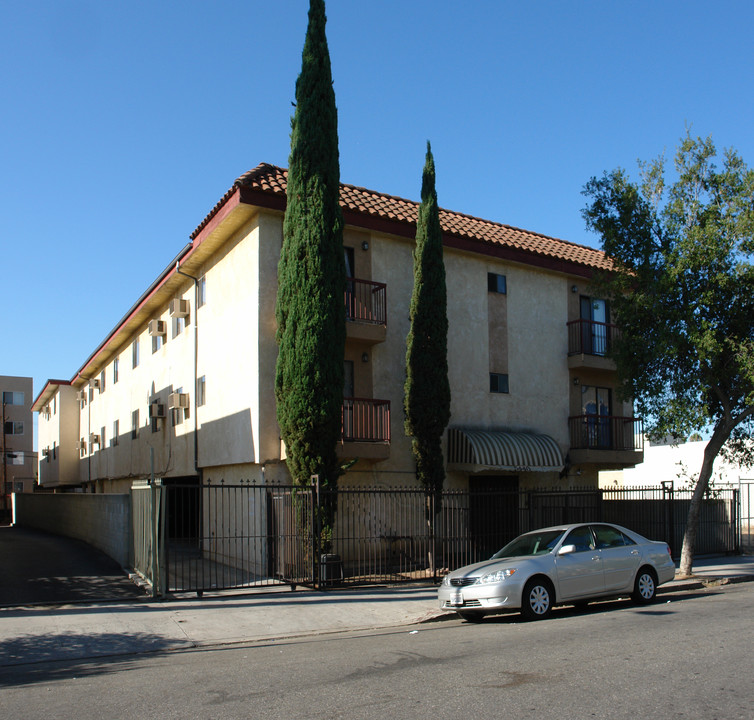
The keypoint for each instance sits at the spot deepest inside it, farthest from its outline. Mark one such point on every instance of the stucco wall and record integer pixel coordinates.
(103, 521)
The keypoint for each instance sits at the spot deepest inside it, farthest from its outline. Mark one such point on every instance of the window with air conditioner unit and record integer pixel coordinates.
(93, 439)
(178, 308)
(156, 410)
(178, 400)
(157, 327)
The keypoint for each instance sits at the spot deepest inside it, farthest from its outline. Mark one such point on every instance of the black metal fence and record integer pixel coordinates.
(221, 536)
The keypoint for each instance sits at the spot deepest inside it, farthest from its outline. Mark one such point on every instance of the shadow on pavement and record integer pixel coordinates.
(28, 660)
(37, 567)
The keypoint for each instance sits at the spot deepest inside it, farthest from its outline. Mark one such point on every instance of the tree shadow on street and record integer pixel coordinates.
(30, 659)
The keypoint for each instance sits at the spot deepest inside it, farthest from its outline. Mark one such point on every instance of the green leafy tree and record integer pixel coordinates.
(311, 275)
(683, 297)
(427, 391)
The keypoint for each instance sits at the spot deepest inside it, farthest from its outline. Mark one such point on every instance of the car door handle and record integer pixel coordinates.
(634, 552)
(596, 557)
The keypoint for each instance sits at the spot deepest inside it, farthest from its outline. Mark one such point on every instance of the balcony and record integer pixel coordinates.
(366, 429)
(606, 440)
(589, 343)
(366, 310)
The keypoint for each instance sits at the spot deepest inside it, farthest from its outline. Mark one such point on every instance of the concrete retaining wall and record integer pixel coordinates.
(103, 521)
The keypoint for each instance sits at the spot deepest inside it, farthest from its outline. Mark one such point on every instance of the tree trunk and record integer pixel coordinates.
(719, 436)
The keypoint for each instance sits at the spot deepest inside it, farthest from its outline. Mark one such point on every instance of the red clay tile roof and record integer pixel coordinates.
(272, 180)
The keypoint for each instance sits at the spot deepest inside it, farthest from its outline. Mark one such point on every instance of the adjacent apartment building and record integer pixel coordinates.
(19, 462)
(183, 386)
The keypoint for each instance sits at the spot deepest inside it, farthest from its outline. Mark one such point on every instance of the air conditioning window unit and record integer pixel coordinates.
(46, 452)
(179, 308)
(93, 439)
(178, 400)
(82, 445)
(157, 327)
(156, 410)
(94, 382)
(46, 411)
(81, 395)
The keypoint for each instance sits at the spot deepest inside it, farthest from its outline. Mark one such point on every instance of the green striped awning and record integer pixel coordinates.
(477, 450)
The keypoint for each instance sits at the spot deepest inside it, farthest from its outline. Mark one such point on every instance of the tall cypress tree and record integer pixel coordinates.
(311, 273)
(427, 390)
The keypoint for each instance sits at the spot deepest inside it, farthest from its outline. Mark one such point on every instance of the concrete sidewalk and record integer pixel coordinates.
(76, 632)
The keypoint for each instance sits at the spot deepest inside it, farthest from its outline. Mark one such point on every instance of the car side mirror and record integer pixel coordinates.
(567, 550)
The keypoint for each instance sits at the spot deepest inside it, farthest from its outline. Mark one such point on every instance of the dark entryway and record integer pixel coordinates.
(493, 512)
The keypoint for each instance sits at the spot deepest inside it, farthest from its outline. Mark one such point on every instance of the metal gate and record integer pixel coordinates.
(222, 536)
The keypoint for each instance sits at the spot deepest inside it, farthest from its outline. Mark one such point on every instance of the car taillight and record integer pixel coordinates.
(667, 547)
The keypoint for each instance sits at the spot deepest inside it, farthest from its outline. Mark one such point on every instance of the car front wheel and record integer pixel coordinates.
(537, 599)
(645, 586)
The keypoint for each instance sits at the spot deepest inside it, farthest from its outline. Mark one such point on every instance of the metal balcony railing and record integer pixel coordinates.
(366, 301)
(366, 420)
(606, 432)
(587, 337)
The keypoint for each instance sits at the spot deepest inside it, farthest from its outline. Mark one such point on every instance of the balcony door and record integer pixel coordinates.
(350, 294)
(597, 410)
(348, 392)
(594, 325)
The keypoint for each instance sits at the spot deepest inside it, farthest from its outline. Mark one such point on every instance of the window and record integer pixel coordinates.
(498, 383)
(580, 537)
(179, 325)
(496, 283)
(201, 391)
(102, 438)
(608, 537)
(102, 382)
(13, 398)
(82, 447)
(116, 432)
(116, 364)
(12, 427)
(134, 425)
(135, 354)
(54, 404)
(14, 458)
(176, 414)
(54, 450)
(157, 342)
(202, 291)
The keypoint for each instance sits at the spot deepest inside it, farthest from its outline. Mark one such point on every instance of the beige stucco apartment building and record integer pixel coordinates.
(183, 386)
(18, 461)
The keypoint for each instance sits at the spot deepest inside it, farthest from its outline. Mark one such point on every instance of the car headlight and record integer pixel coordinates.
(446, 580)
(495, 577)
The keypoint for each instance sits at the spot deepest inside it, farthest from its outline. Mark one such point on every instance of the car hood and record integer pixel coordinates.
(481, 568)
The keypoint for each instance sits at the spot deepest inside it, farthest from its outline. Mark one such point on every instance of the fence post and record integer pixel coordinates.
(315, 532)
(668, 497)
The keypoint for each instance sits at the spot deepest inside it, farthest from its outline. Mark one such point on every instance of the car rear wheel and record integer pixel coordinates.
(472, 617)
(645, 586)
(537, 599)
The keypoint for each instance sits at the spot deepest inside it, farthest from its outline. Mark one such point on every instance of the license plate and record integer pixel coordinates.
(456, 600)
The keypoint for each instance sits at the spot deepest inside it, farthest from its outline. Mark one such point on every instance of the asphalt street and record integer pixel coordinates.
(683, 657)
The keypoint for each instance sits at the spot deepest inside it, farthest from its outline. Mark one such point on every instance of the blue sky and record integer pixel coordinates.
(123, 123)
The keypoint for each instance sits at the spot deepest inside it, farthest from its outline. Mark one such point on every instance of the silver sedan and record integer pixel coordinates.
(567, 564)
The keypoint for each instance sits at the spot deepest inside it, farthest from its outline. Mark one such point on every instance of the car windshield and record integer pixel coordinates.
(536, 543)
